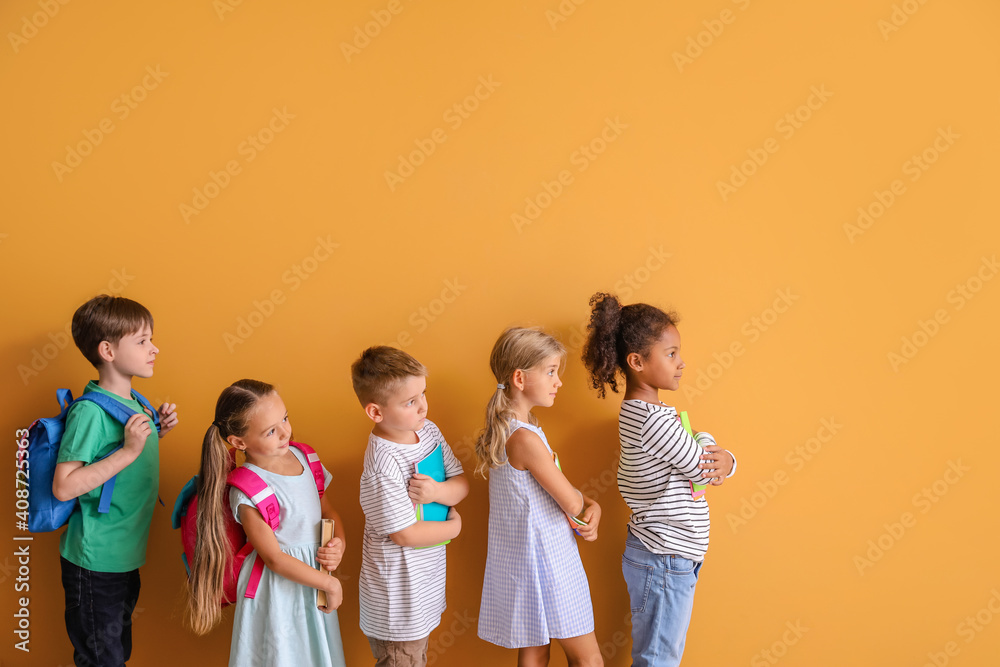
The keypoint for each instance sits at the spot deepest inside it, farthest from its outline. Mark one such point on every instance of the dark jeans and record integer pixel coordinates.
(99, 608)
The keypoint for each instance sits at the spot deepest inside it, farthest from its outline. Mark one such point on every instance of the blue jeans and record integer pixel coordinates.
(661, 595)
(99, 608)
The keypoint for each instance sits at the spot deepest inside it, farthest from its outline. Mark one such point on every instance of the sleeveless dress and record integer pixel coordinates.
(535, 587)
(282, 625)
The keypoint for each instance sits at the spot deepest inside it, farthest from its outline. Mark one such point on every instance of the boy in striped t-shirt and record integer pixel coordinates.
(402, 583)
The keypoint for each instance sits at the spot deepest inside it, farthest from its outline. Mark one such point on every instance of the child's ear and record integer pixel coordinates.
(374, 412)
(236, 442)
(105, 351)
(517, 379)
(634, 361)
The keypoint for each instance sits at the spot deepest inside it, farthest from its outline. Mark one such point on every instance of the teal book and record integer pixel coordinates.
(432, 465)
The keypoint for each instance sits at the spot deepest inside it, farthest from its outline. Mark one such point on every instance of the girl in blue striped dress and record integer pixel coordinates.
(535, 588)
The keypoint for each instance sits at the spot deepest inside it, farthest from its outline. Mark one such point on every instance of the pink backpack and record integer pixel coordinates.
(185, 517)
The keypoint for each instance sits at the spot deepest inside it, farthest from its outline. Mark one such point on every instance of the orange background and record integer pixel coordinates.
(685, 94)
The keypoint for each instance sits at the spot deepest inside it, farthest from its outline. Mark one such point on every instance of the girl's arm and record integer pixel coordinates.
(260, 535)
(663, 437)
(526, 451)
(429, 533)
(331, 553)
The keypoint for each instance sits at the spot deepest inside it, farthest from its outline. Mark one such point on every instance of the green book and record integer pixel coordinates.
(697, 490)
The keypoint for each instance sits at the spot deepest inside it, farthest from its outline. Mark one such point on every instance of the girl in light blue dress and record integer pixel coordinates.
(535, 588)
(281, 624)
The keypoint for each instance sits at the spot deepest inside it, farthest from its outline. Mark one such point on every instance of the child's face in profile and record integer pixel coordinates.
(542, 382)
(405, 410)
(663, 366)
(133, 355)
(268, 431)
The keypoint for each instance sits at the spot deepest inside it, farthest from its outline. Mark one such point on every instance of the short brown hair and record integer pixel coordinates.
(379, 370)
(107, 318)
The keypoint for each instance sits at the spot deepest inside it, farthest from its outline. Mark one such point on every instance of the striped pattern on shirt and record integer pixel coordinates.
(658, 460)
(402, 589)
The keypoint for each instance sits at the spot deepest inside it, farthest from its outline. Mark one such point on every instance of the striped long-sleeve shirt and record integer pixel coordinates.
(658, 461)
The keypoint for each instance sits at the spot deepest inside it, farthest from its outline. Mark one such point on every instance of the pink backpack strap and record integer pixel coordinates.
(266, 503)
(314, 465)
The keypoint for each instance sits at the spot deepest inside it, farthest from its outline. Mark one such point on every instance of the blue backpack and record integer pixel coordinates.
(45, 512)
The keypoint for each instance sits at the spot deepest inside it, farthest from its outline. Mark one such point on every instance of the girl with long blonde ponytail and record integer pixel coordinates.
(281, 625)
(212, 555)
(534, 512)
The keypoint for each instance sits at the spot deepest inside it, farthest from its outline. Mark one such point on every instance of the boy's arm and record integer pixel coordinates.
(429, 533)
(72, 479)
(260, 535)
(168, 418)
(450, 492)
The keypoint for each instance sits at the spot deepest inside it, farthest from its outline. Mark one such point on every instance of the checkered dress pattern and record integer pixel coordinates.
(535, 587)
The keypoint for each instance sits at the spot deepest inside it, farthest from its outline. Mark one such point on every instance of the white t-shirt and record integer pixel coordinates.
(402, 589)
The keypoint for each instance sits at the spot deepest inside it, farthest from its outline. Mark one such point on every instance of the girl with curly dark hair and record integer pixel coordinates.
(660, 465)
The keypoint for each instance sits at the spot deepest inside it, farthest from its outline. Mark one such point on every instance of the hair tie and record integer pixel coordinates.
(217, 425)
(501, 386)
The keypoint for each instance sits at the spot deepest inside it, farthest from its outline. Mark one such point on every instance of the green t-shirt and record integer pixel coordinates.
(116, 541)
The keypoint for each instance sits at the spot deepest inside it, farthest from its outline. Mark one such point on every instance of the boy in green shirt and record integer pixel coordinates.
(101, 553)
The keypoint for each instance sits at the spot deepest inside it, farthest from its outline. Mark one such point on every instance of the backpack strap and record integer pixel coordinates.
(260, 494)
(116, 409)
(65, 398)
(314, 465)
(120, 413)
(266, 503)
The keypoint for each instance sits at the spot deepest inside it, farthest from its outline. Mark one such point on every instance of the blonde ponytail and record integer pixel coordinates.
(213, 553)
(516, 348)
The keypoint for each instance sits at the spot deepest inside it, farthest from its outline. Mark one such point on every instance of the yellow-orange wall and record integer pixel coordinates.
(893, 79)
